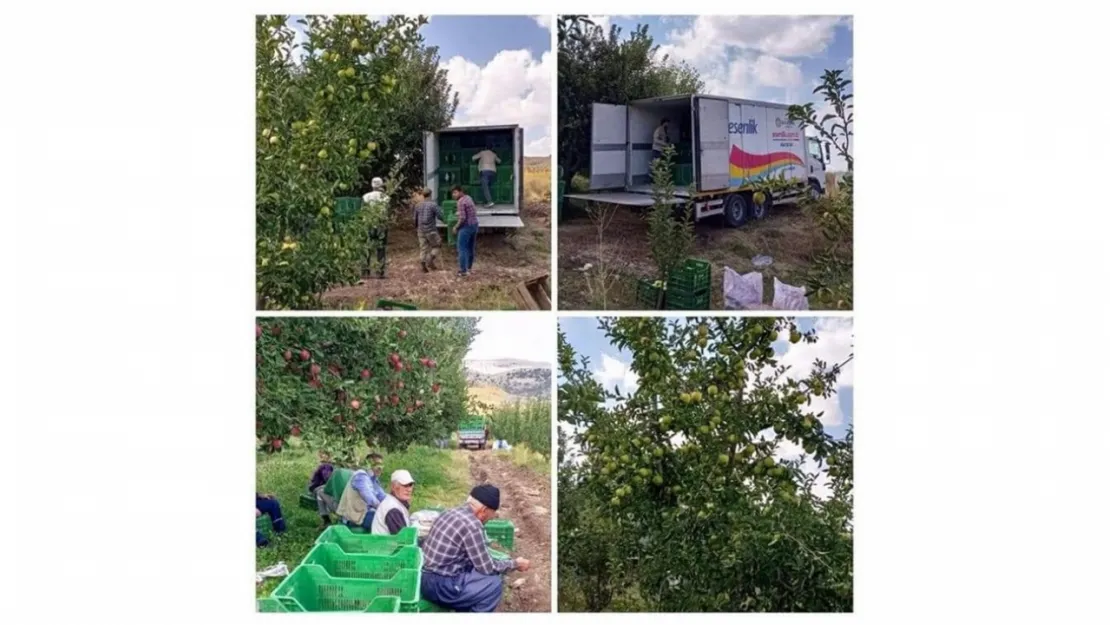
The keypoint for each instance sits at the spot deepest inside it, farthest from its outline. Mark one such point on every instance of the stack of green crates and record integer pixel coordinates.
(684, 175)
(688, 286)
(350, 572)
(346, 208)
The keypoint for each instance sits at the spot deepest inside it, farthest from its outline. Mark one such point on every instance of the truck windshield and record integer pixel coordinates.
(815, 149)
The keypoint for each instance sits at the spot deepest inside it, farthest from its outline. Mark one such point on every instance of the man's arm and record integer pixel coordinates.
(475, 545)
(476, 156)
(394, 521)
(361, 483)
(497, 158)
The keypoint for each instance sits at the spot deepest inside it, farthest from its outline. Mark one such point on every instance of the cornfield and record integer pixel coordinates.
(525, 422)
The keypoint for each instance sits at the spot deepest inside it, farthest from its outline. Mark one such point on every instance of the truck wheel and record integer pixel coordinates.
(760, 210)
(815, 192)
(736, 210)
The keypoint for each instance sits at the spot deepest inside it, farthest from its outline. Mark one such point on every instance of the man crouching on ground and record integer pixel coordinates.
(459, 572)
(427, 234)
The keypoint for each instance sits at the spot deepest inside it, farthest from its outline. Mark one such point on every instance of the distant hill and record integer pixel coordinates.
(515, 378)
(537, 162)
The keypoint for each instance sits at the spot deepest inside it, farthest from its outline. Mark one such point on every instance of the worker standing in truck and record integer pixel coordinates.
(487, 171)
(660, 139)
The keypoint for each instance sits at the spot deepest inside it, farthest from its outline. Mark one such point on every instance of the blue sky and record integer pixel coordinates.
(773, 58)
(834, 345)
(502, 68)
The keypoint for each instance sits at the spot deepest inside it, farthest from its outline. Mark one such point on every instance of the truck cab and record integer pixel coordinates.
(816, 164)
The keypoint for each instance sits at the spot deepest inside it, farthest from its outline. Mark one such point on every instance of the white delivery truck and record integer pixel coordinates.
(448, 160)
(724, 145)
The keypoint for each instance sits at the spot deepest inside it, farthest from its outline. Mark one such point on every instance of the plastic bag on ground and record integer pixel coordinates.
(789, 297)
(422, 520)
(277, 570)
(743, 292)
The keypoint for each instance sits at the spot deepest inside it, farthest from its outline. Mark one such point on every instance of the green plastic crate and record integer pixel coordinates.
(267, 604)
(423, 606)
(374, 544)
(450, 210)
(692, 278)
(339, 563)
(263, 524)
(309, 588)
(684, 175)
(502, 532)
(450, 176)
(687, 301)
(472, 424)
(346, 207)
(307, 501)
(498, 555)
(647, 295)
(451, 158)
(386, 304)
(450, 143)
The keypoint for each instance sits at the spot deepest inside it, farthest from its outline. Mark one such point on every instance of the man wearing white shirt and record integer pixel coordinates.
(487, 171)
(377, 237)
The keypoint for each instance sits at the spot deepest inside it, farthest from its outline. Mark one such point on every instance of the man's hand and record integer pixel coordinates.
(267, 495)
(522, 565)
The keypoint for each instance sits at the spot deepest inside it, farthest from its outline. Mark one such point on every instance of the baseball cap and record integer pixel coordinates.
(402, 477)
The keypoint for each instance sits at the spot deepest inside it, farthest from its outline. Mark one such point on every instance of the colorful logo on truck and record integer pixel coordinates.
(745, 167)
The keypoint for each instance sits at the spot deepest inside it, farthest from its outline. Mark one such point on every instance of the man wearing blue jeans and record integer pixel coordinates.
(487, 171)
(362, 495)
(268, 505)
(466, 229)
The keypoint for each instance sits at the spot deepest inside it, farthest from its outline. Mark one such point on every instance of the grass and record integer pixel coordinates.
(789, 235)
(442, 479)
(537, 179)
(523, 456)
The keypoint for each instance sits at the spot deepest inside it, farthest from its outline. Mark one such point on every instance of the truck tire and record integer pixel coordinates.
(737, 207)
(759, 211)
(815, 191)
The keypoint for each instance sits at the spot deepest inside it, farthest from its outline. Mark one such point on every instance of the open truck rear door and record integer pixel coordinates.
(711, 143)
(431, 163)
(608, 146)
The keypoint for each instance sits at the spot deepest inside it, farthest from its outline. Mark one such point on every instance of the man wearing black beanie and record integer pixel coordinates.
(459, 572)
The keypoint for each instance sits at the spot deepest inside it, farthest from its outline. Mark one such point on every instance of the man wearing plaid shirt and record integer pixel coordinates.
(426, 213)
(466, 229)
(459, 572)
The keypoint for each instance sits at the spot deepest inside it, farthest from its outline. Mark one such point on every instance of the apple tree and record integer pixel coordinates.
(322, 106)
(338, 383)
(710, 513)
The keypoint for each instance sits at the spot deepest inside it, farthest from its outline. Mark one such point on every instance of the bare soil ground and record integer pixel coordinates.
(502, 261)
(526, 500)
(788, 235)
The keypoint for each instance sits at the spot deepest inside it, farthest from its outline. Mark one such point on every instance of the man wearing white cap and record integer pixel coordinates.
(393, 511)
(378, 237)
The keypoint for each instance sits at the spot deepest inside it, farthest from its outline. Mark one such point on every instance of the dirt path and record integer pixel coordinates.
(526, 500)
(502, 262)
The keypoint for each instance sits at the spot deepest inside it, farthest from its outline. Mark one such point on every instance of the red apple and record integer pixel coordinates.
(276, 443)
(305, 355)
(296, 431)
(435, 388)
(395, 357)
(433, 363)
(275, 330)
(257, 331)
(408, 410)
(288, 355)
(400, 384)
(402, 334)
(393, 399)
(365, 374)
(315, 369)
(355, 404)
(419, 404)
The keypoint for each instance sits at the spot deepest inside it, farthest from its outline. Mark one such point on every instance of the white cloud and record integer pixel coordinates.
(526, 338)
(600, 20)
(513, 88)
(834, 345)
(543, 20)
(613, 372)
(711, 36)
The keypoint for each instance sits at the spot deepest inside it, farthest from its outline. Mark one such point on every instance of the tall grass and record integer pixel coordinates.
(524, 422)
(537, 182)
